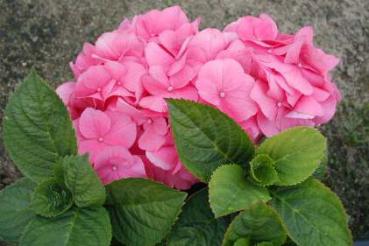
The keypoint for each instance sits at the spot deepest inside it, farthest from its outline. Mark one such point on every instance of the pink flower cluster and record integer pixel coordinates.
(265, 80)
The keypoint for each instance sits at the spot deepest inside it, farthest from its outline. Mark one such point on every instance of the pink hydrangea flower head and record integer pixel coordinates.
(266, 80)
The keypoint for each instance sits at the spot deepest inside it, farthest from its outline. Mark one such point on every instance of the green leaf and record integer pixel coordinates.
(312, 214)
(230, 191)
(207, 138)
(197, 225)
(242, 242)
(143, 211)
(264, 244)
(321, 171)
(15, 212)
(297, 152)
(87, 227)
(83, 182)
(262, 170)
(51, 198)
(259, 223)
(37, 128)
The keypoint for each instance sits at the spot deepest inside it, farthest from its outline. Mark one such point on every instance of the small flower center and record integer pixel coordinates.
(279, 104)
(149, 121)
(100, 139)
(170, 88)
(119, 83)
(98, 89)
(222, 94)
(114, 167)
(299, 65)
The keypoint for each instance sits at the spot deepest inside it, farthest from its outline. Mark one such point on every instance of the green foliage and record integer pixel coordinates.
(197, 225)
(263, 171)
(15, 212)
(87, 227)
(207, 138)
(51, 198)
(312, 214)
(265, 244)
(297, 153)
(69, 197)
(230, 191)
(258, 223)
(37, 128)
(38, 134)
(242, 242)
(83, 182)
(143, 211)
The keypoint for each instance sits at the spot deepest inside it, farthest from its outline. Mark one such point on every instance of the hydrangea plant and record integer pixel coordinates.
(264, 194)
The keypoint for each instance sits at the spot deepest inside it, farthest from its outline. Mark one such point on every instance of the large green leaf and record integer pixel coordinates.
(197, 225)
(297, 152)
(207, 138)
(312, 214)
(87, 227)
(15, 212)
(51, 198)
(143, 211)
(37, 128)
(230, 191)
(83, 182)
(259, 223)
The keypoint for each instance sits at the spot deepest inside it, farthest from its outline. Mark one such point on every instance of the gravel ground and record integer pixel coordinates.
(47, 34)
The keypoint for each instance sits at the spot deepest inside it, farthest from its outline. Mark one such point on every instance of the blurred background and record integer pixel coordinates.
(47, 35)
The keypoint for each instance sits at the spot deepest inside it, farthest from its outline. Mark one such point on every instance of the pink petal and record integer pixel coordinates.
(65, 91)
(160, 126)
(183, 77)
(188, 92)
(127, 109)
(239, 108)
(266, 104)
(169, 40)
(329, 106)
(94, 123)
(208, 91)
(251, 128)
(151, 141)
(267, 127)
(306, 108)
(116, 70)
(155, 55)
(92, 81)
(122, 132)
(154, 103)
(114, 163)
(165, 158)
(158, 73)
(91, 147)
(155, 87)
(177, 65)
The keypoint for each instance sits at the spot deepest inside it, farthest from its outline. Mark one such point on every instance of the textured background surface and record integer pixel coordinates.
(48, 34)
